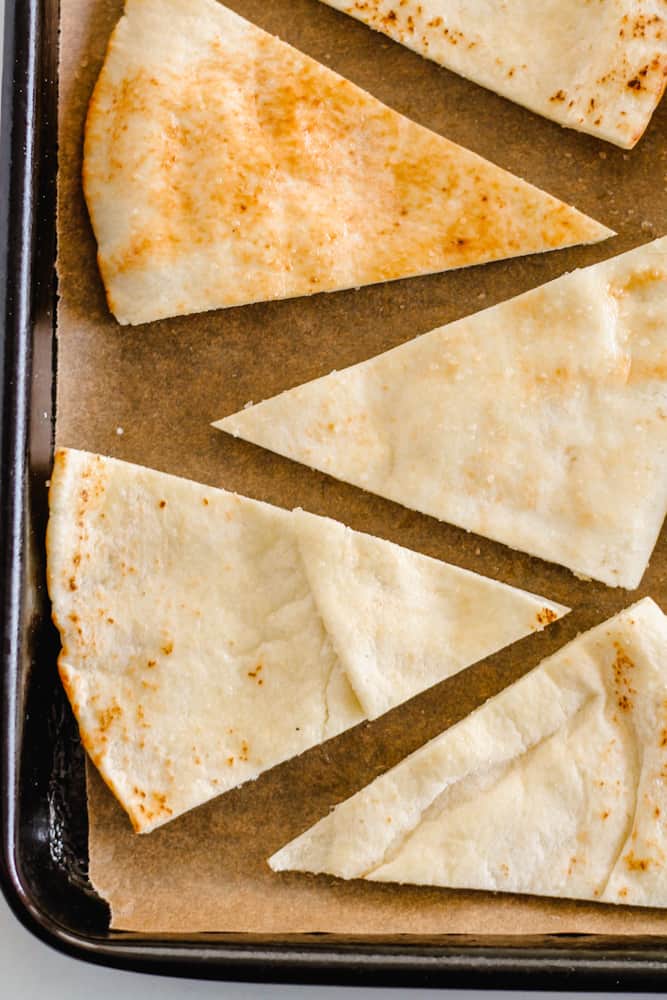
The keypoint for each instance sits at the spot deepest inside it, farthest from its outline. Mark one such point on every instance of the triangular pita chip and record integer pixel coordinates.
(207, 637)
(556, 787)
(222, 167)
(595, 67)
(540, 422)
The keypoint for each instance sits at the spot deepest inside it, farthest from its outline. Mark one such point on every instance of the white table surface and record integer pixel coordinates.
(29, 970)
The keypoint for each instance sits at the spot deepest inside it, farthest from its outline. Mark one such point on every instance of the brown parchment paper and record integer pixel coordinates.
(148, 395)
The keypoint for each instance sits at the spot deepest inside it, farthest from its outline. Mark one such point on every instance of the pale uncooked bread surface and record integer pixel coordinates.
(207, 637)
(223, 167)
(595, 67)
(540, 422)
(554, 787)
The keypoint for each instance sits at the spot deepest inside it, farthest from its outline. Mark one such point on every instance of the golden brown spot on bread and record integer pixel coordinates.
(546, 616)
(622, 668)
(638, 281)
(255, 673)
(163, 504)
(160, 803)
(635, 864)
(107, 716)
(168, 648)
(141, 718)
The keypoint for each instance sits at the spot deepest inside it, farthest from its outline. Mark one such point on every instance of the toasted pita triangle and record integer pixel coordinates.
(598, 68)
(540, 422)
(223, 167)
(207, 637)
(556, 787)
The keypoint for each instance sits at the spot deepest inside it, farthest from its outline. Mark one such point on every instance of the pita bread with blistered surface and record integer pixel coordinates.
(555, 787)
(223, 167)
(207, 637)
(540, 422)
(596, 67)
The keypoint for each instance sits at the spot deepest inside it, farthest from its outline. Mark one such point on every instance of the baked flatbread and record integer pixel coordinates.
(207, 637)
(556, 787)
(541, 422)
(595, 67)
(223, 167)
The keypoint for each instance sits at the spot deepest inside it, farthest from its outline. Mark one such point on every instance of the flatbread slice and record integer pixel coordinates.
(207, 637)
(595, 67)
(223, 167)
(540, 422)
(556, 787)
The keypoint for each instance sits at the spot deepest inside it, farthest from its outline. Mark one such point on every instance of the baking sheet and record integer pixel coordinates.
(148, 395)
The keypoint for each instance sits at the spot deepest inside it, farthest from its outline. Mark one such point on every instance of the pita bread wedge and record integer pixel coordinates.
(207, 637)
(595, 67)
(223, 167)
(540, 422)
(555, 787)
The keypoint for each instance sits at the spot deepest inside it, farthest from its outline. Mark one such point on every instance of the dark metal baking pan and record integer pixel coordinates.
(43, 858)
